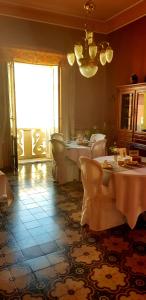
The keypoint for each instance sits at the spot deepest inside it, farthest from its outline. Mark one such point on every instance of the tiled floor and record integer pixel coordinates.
(45, 254)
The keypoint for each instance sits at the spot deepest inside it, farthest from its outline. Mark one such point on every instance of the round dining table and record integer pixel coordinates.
(74, 151)
(128, 186)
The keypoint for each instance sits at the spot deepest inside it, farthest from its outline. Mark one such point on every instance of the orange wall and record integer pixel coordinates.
(129, 45)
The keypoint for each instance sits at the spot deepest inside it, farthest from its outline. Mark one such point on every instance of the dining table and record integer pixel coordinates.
(127, 185)
(75, 150)
(6, 195)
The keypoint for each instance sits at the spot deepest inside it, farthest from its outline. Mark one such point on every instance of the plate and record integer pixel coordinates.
(131, 166)
(107, 167)
(83, 144)
(132, 163)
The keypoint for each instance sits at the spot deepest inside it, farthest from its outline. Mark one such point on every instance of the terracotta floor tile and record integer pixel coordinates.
(24, 282)
(19, 270)
(6, 282)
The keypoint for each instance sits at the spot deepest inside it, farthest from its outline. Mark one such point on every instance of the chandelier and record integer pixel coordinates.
(90, 54)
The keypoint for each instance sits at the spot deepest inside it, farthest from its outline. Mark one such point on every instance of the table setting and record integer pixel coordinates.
(74, 149)
(127, 185)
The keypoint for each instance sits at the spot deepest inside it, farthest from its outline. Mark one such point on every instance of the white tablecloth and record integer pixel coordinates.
(6, 195)
(74, 151)
(129, 189)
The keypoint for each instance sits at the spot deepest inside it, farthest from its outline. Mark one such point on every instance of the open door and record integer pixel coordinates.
(36, 94)
(12, 110)
(42, 115)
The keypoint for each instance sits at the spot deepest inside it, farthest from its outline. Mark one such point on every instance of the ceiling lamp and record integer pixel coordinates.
(90, 54)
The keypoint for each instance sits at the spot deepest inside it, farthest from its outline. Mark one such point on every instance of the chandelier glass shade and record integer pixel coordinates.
(89, 54)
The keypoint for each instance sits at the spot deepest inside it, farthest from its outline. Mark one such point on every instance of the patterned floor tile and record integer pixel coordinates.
(32, 252)
(46, 255)
(38, 263)
(49, 247)
(7, 286)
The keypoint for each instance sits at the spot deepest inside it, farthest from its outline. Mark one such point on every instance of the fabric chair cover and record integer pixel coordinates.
(98, 209)
(96, 137)
(57, 136)
(98, 148)
(64, 169)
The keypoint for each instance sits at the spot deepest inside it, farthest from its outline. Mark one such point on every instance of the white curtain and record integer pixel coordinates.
(67, 103)
(53, 118)
(12, 114)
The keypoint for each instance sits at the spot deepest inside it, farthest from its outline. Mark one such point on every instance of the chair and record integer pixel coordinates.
(57, 136)
(96, 137)
(64, 169)
(98, 208)
(98, 148)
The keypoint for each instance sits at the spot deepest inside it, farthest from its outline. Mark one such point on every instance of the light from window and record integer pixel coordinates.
(36, 89)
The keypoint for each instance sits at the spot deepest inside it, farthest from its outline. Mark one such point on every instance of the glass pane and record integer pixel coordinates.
(141, 112)
(126, 111)
(36, 95)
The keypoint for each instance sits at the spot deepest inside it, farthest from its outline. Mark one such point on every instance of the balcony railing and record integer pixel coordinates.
(31, 143)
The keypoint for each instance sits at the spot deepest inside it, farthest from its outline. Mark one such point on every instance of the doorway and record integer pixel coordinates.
(36, 94)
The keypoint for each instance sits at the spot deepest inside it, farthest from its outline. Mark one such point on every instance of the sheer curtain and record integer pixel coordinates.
(67, 101)
(12, 115)
(53, 117)
(5, 134)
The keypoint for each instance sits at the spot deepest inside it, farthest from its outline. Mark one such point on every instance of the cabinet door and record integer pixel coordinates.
(140, 112)
(127, 110)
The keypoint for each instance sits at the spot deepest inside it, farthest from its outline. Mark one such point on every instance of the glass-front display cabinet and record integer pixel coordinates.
(127, 111)
(140, 112)
(131, 114)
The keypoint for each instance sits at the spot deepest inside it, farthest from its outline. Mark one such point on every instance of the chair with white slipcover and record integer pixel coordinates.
(64, 169)
(98, 148)
(57, 136)
(97, 137)
(99, 210)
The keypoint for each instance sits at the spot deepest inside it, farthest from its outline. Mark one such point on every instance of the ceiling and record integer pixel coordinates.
(108, 15)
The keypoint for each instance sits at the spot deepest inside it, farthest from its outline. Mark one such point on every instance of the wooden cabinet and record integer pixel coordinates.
(131, 114)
